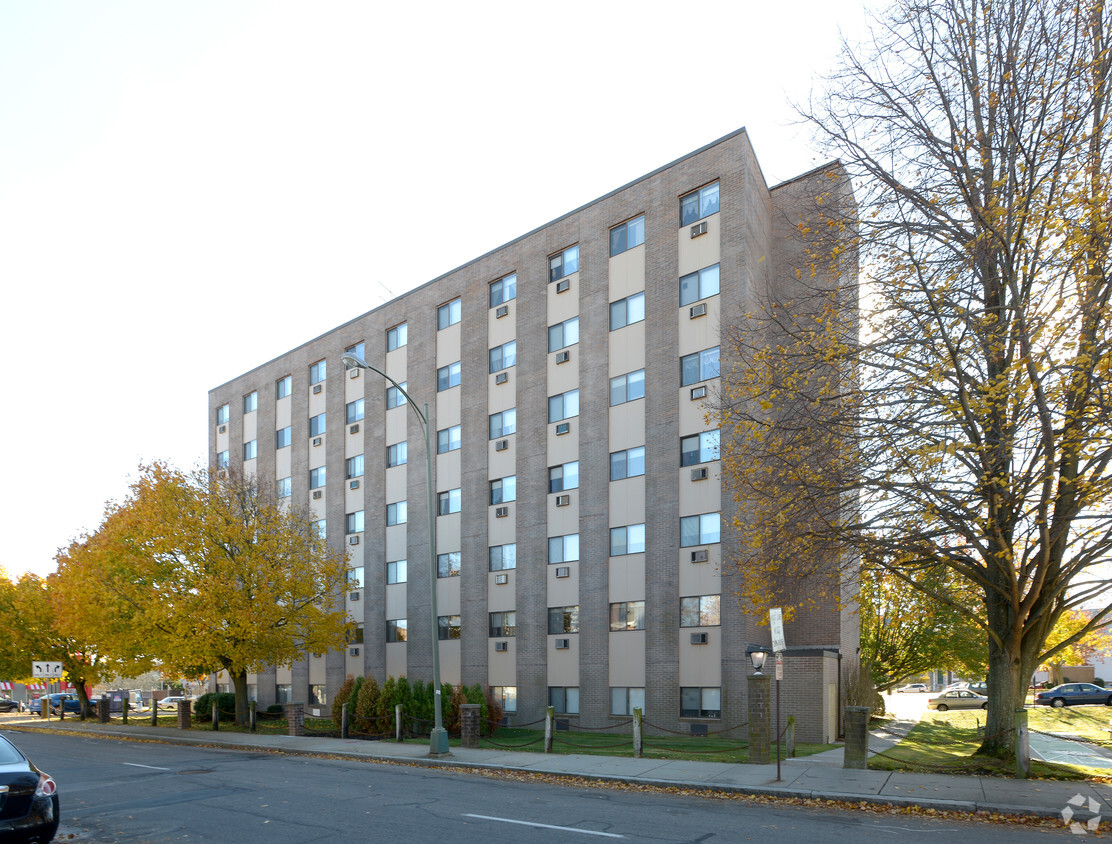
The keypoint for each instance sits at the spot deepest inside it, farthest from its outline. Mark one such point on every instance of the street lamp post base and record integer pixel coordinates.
(438, 742)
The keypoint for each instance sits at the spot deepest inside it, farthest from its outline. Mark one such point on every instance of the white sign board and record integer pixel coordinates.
(46, 670)
(776, 625)
(779, 666)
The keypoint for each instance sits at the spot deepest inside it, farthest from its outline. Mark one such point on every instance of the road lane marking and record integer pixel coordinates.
(150, 767)
(546, 826)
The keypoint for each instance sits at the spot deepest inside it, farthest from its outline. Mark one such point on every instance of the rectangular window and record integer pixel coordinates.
(354, 411)
(629, 539)
(506, 696)
(564, 477)
(223, 460)
(627, 235)
(503, 290)
(353, 522)
(448, 502)
(623, 700)
(448, 439)
(395, 397)
(447, 627)
(447, 565)
(448, 314)
(251, 450)
(359, 350)
(397, 337)
(699, 448)
(318, 695)
(704, 529)
(700, 611)
(564, 699)
(627, 311)
(699, 285)
(397, 513)
(503, 357)
(563, 264)
(283, 693)
(503, 490)
(318, 372)
(628, 387)
(317, 477)
(284, 487)
(222, 414)
(700, 703)
(698, 204)
(396, 629)
(397, 454)
(355, 577)
(447, 376)
(251, 402)
(503, 557)
(283, 437)
(699, 366)
(317, 425)
(503, 424)
(627, 464)
(563, 406)
(397, 571)
(321, 527)
(563, 335)
(563, 620)
(627, 615)
(283, 386)
(563, 549)
(503, 624)
(353, 467)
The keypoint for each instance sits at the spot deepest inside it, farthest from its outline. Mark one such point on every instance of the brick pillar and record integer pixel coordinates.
(469, 716)
(104, 712)
(185, 713)
(857, 737)
(295, 715)
(760, 699)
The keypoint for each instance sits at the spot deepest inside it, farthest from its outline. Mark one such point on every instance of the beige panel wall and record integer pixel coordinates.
(447, 410)
(316, 670)
(318, 403)
(395, 484)
(283, 413)
(563, 665)
(251, 426)
(396, 365)
(700, 496)
(701, 665)
(283, 458)
(696, 253)
(627, 349)
(355, 381)
(355, 608)
(448, 471)
(450, 662)
(353, 664)
(627, 578)
(353, 443)
(250, 468)
(500, 531)
(702, 332)
(563, 376)
(316, 506)
(502, 396)
(317, 453)
(222, 440)
(283, 674)
(447, 595)
(448, 533)
(627, 658)
(627, 273)
(563, 448)
(502, 665)
(564, 305)
(627, 424)
(502, 329)
(395, 600)
(502, 596)
(353, 498)
(396, 659)
(700, 578)
(396, 547)
(563, 520)
(627, 502)
(501, 463)
(693, 414)
(396, 419)
(563, 591)
(448, 345)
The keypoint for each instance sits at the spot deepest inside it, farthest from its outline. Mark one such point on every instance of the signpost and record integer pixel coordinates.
(776, 626)
(46, 670)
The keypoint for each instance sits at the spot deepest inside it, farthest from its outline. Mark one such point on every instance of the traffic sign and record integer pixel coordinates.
(46, 670)
(776, 625)
(779, 666)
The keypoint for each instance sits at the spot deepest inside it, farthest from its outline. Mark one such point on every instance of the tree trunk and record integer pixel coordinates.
(239, 683)
(82, 696)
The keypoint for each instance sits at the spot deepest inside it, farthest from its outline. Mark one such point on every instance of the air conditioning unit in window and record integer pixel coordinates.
(563, 644)
(353, 651)
(501, 512)
(501, 378)
(501, 579)
(353, 596)
(353, 373)
(563, 500)
(699, 556)
(563, 428)
(354, 484)
(698, 393)
(501, 646)
(563, 356)
(698, 310)
(317, 388)
(317, 440)
(353, 540)
(317, 493)
(699, 228)
(699, 473)
(222, 429)
(563, 284)
(563, 571)
(698, 638)
(501, 311)
(354, 429)
(501, 445)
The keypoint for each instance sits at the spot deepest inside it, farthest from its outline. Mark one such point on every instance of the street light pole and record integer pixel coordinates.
(438, 738)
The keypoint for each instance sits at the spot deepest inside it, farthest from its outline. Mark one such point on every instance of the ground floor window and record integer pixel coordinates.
(318, 695)
(283, 693)
(698, 702)
(506, 696)
(224, 688)
(564, 699)
(623, 700)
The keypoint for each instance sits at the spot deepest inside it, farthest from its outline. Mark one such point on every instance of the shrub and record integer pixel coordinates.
(366, 706)
(493, 712)
(341, 698)
(224, 701)
(275, 709)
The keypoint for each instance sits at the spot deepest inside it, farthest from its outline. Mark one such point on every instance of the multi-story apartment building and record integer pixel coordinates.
(580, 516)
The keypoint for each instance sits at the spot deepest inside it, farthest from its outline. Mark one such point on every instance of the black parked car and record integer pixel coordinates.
(29, 811)
(8, 705)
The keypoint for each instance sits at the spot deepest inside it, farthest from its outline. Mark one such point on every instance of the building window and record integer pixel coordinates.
(283, 693)
(318, 695)
(251, 402)
(353, 522)
(283, 386)
(563, 406)
(627, 464)
(564, 699)
(506, 696)
(628, 387)
(623, 700)
(628, 539)
(627, 615)
(395, 397)
(447, 627)
(251, 450)
(563, 264)
(223, 413)
(356, 635)
(397, 336)
(448, 502)
(321, 527)
(699, 366)
(397, 454)
(700, 703)
(285, 487)
(396, 629)
(700, 285)
(355, 577)
(699, 448)
(627, 235)
(353, 467)
(698, 204)
(448, 314)
(563, 335)
(317, 424)
(503, 557)
(563, 620)
(283, 437)
(354, 411)
(448, 439)
(503, 290)
(627, 311)
(503, 424)
(503, 624)
(503, 490)
(318, 372)
(222, 460)
(563, 549)
(397, 513)
(447, 565)
(359, 350)
(700, 611)
(317, 477)
(564, 477)
(447, 376)
(397, 571)
(704, 529)
(503, 357)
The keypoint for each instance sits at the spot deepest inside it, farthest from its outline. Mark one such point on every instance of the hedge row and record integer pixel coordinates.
(373, 709)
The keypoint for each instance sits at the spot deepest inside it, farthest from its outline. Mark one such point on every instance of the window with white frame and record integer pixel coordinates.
(503, 290)
(355, 577)
(627, 311)
(318, 372)
(628, 539)
(563, 334)
(223, 413)
(503, 490)
(628, 387)
(699, 448)
(698, 204)
(627, 615)
(251, 402)
(353, 522)
(318, 424)
(448, 628)
(704, 529)
(627, 235)
(699, 285)
(563, 549)
(503, 423)
(563, 264)
(251, 450)
(563, 620)
(627, 464)
(397, 629)
(223, 459)
(449, 502)
(359, 350)
(699, 366)
(397, 454)
(448, 376)
(283, 387)
(701, 611)
(698, 702)
(503, 557)
(624, 699)
(397, 571)
(283, 437)
(503, 624)
(505, 696)
(397, 337)
(448, 439)
(353, 467)
(563, 406)
(318, 477)
(447, 565)
(448, 314)
(564, 477)
(395, 397)
(503, 357)
(285, 487)
(354, 411)
(397, 513)
(564, 699)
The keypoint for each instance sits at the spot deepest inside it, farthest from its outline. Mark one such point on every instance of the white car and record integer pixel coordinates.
(912, 687)
(172, 701)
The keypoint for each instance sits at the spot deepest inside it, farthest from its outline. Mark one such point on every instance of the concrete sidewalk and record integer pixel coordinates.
(814, 777)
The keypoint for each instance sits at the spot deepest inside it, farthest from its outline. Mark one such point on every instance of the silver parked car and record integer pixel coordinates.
(958, 699)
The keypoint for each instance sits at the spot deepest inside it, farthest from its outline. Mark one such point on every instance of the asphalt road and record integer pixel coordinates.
(114, 791)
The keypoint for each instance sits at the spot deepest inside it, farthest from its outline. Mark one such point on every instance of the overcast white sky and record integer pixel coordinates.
(190, 189)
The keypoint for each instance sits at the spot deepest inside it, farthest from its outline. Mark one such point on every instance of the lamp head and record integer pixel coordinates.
(351, 361)
(758, 658)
